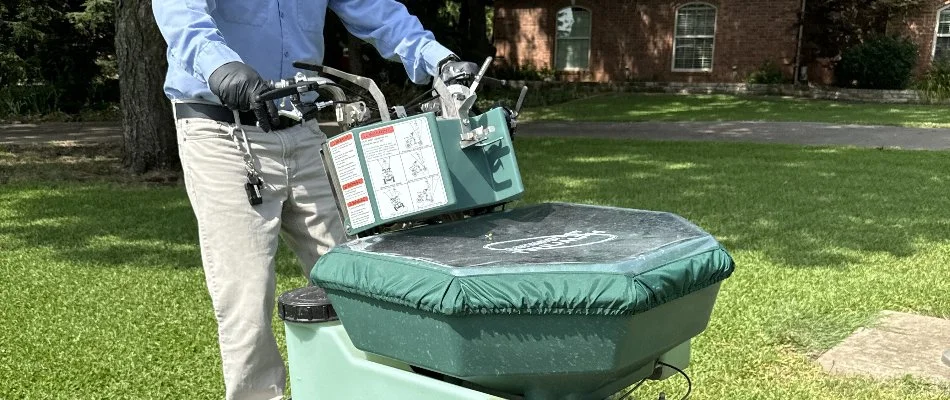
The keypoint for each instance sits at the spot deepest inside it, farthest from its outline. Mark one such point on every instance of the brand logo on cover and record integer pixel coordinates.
(539, 243)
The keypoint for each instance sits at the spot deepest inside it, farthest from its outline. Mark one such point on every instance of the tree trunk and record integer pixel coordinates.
(474, 25)
(148, 128)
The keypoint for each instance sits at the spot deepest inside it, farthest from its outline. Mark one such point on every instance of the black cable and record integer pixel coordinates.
(415, 102)
(421, 98)
(348, 90)
(689, 383)
(365, 98)
(635, 387)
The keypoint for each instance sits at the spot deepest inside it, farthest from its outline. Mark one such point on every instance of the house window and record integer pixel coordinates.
(942, 37)
(694, 38)
(572, 39)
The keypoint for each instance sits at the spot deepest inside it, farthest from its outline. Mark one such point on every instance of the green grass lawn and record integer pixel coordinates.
(104, 295)
(666, 107)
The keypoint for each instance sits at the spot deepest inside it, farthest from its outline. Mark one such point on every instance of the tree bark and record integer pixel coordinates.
(473, 24)
(147, 125)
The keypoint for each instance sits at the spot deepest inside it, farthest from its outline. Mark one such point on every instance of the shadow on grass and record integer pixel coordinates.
(101, 224)
(800, 207)
(74, 204)
(663, 107)
(107, 225)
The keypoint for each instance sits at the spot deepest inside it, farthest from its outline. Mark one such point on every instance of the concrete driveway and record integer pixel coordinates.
(802, 133)
(71, 132)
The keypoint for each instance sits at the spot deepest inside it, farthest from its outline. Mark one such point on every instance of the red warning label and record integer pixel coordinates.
(353, 184)
(377, 132)
(358, 201)
(338, 141)
(347, 169)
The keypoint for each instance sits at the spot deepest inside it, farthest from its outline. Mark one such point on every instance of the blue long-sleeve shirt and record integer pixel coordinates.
(269, 35)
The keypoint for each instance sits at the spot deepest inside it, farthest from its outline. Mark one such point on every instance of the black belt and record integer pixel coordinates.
(211, 111)
(222, 114)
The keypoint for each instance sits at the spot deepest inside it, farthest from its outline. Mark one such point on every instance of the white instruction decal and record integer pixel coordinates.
(403, 167)
(346, 161)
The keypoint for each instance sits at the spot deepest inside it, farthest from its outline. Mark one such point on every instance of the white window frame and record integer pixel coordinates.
(933, 46)
(590, 15)
(676, 22)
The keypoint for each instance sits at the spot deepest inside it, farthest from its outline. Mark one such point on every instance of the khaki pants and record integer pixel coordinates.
(239, 241)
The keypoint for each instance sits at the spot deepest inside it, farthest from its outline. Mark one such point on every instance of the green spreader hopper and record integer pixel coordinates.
(552, 301)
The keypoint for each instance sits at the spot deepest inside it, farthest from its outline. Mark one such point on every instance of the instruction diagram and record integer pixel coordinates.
(404, 171)
(386, 171)
(418, 166)
(416, 136)
(413, 140)
(395, 199)
(424, 193)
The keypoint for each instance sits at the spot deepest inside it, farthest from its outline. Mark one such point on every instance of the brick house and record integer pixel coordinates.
(929, 26)
(676, 41)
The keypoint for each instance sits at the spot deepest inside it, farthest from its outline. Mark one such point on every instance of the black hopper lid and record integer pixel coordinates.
(306, 304)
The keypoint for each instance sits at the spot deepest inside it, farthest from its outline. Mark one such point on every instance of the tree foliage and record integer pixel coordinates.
(460, 25)
(832, 26)
(57, 43)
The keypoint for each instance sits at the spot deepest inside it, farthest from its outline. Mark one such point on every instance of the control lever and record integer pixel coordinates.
(266, 113)
(517, 110)
(284, 89)
(496, 81)
(511, 116)
(481, 73)
(268, 116)
(307, 65)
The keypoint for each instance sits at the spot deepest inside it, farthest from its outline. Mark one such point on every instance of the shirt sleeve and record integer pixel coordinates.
(396, 34)
(194, 42)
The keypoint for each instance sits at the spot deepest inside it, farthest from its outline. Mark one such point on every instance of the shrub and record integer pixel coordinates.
(537, 96)
(526, 72)
(934, 85)
(882, 62)
(768, 73)
(21, 100)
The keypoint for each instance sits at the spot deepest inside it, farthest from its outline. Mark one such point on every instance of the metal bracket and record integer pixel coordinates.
(457, 101)
(400, 111)
(348, 114)
(476, 135)
(365, 83)
(447, 99)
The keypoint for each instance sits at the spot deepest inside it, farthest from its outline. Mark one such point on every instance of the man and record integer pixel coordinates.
(246, 186)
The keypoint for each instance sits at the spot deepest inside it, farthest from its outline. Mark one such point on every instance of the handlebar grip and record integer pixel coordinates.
(263, 119)
(266, 114)
(310, 66)
(275, 94)
(287, 90)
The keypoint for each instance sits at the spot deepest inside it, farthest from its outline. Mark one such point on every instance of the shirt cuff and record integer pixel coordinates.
(432, 54)
(212, 56)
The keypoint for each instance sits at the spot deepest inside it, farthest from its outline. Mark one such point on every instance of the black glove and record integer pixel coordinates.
(453, 70)
(237, 84)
